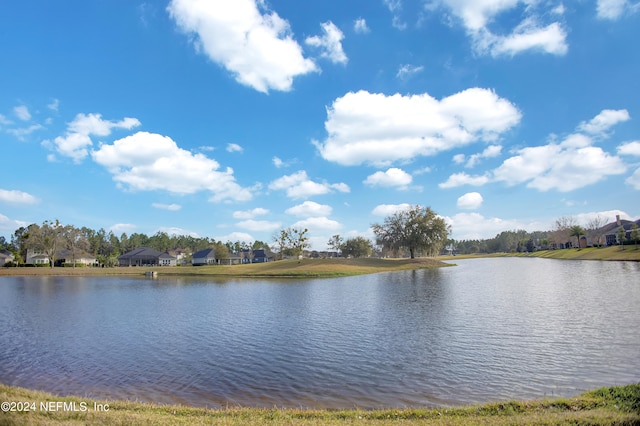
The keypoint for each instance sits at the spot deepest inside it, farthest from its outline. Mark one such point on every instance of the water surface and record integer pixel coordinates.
(485, 330)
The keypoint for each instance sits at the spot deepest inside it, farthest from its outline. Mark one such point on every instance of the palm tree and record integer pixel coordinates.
(576, 231)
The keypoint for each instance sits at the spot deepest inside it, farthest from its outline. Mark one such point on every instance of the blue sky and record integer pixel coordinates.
(233, 120)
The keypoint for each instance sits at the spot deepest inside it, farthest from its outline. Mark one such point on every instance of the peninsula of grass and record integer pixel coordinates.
(618, 405)
(305, 268)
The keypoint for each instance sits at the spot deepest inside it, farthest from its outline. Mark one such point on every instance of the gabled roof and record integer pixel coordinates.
(259, 253)
(6, 254)
(79, 254)
(204, 253)
(612, 228)
(145, 253)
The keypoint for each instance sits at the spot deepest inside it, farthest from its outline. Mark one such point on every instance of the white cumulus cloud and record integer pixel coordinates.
(634, 180)
(22, 112)
(298, 185)
(601, 123)
(375, 128)
(234, 147)
(77, 140)
(318, 224)
(148, 161)
(250, 214)
(489, 152)
(170, 207)
(330, 43)
(629, 148)
(405, 71)
(527, 36)
(119, 228)
(360, 26)
(252, 42)
(570, 164)
(10, 225)
(389, 209)
(459, 179)
(564, 166)
(477, 16)
(470, 201)
(614, 9)
(310, 209)
(392, 177)
(17, 197)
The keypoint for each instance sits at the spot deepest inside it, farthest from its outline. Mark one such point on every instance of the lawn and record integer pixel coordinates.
(630, 253)
(607, 406)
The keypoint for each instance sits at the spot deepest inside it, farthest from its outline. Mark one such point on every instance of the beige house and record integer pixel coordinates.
(5, 257)
(62, 257)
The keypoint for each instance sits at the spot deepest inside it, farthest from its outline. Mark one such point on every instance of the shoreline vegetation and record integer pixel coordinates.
(327, 267)
(613, 253)
(618, 405)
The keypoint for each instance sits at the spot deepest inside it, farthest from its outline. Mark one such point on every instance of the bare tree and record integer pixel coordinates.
(560, 234)
(298, 240)
(335, 243)
(280, 239)
(594, 229)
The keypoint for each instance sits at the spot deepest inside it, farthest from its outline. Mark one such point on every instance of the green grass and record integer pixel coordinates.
(592, 253)
(310, 268)
(607, 406)
(336, 267)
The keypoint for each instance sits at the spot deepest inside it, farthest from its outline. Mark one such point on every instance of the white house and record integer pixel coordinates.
(36, 257)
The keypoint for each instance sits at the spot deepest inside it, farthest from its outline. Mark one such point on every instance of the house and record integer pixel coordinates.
(65, 256)
(144, 256)
(5, 257)
(259, 256)
(36, 257)
(610, 231)
(232, 259)
(204, 257)
(181, 256)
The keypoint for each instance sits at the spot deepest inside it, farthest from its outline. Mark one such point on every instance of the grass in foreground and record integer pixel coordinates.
(618, 405)
(283, 268)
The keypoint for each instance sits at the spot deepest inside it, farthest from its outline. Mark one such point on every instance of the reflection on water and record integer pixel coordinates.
(487, 329)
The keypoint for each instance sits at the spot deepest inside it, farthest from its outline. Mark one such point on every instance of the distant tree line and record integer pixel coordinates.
(411, 232)
(51, 237)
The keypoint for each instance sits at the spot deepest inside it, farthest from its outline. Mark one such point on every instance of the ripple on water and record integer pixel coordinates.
(459, 335)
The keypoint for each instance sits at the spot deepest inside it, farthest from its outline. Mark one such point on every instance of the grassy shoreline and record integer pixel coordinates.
(619, 405)
(613, 253)
(306, 268)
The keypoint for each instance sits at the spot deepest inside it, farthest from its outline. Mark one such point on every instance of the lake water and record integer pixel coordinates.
(488, 329)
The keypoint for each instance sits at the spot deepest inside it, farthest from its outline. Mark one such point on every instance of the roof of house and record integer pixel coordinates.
(145, 253)
(612, 228)
(79, 254)
(204, 253)
(6, 254)
(259, 253)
